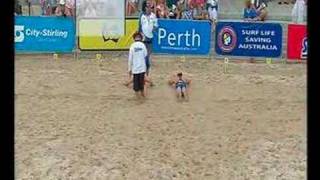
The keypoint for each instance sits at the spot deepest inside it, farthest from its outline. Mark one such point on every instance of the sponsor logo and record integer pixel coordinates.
(18, 33)
(186, 39)
(227, 39)
(110, 32)
(304, 49)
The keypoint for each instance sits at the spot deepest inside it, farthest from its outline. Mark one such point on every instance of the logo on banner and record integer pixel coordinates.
(304, 50)
(227, 39)
(110, 32)
(18, 33)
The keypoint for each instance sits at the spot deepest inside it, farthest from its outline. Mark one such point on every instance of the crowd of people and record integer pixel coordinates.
(48, 7)
(178, 9)
(255, 10)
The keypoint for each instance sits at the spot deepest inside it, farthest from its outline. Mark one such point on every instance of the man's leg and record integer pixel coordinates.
(136, 87)
(149, 49)
(143, 88)
(148, 60)
(144, 91)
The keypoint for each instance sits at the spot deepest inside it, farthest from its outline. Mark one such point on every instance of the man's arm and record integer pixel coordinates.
(130, 62)
(155, 23)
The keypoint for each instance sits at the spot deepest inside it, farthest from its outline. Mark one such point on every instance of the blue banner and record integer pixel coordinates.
(182, 37)
(44, 34)
(249, 39)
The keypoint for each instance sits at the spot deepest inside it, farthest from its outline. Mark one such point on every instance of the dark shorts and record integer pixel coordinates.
(138, 82)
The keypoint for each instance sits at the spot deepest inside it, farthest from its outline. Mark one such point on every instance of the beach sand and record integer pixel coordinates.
(74, 119)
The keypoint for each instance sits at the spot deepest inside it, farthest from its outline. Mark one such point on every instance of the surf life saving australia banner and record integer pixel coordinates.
(297, 41)
(44, 34)
(182, 37)
(248, 39)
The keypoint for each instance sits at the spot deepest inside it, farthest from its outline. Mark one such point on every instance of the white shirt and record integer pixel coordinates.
(62, 2)
(212, 2)
(137, 58)
(148, 23)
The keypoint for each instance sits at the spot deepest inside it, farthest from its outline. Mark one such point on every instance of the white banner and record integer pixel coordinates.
(110, 12)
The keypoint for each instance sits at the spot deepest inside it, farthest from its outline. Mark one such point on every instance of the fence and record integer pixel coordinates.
(241, 40)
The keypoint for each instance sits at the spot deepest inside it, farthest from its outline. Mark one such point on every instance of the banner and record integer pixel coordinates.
(44, 34)
(297, 41)
(182, 37)
(112, 11)
(105, 41)
(248, 39)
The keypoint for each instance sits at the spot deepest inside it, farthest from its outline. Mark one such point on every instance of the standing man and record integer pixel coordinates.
(137, 64)
(147, 25)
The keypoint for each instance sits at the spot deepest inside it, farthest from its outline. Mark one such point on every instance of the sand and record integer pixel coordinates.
(75, 120)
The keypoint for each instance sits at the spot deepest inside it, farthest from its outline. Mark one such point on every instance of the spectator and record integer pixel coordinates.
(172, 12)
(212, 8)
(29, 7)
(298, 11)
(132, 6)
(181, 7)
(250, 13)
(162, 10)
(199, 12)
(60, 11)
(153, 5)
(43, 5)
(172, 6)
(51, 7)
(188, 13)
(17, 8)
(171, 3)
(70, 7)
(286, 1)
(195, 2)
(261, 8)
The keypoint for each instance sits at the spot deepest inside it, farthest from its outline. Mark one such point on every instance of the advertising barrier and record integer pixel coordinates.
(248, 39)
(44, 34)
(297, 41)
(182, 37)
(105, 41)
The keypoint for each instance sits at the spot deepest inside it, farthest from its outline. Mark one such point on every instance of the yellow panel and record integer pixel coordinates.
(87, 42)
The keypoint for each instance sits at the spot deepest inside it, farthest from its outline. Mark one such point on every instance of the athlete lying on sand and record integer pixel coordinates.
(181, 85)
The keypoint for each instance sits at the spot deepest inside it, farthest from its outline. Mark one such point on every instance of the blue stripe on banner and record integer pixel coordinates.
(44, 34)
(248, 39)
(182, 37)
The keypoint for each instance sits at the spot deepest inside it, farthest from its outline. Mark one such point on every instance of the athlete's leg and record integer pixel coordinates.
(178, 92)
(185, 93)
